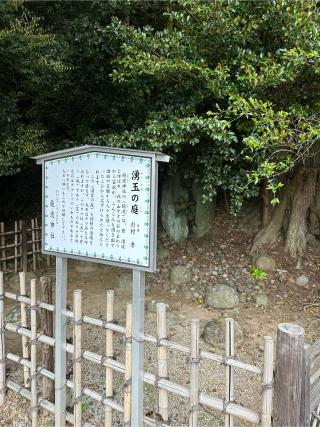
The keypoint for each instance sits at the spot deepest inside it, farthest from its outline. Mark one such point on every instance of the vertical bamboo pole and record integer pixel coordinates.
(77, 329)
(16, 247)
(194, 372)
(2, 345)
(3, 250)
(46, 318)
(37, 235)
(109, 354)
(24, 246)
(24, 324)
(289, 374)
(162, 359)
(266, 410)
(128, 370)
(33, 238)
(229, 380)
(33, 308)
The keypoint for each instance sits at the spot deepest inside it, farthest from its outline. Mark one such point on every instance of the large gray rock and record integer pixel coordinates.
(174, 220)
(221, 296)
(265, 262)
(214, 334)
(302, 280)
(180, 275)
(204, 214)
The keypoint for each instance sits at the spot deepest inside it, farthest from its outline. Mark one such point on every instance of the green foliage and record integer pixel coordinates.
(257, 273)
(229, 89)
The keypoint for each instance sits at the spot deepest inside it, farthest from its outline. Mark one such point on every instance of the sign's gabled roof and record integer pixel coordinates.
(160, 157)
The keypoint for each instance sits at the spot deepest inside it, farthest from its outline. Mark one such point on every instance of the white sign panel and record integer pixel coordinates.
(98, 205)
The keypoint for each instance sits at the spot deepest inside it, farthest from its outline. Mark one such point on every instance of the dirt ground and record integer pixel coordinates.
(225, 255)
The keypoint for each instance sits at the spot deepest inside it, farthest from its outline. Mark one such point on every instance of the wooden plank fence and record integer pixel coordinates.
(20, 245)
(195, 397)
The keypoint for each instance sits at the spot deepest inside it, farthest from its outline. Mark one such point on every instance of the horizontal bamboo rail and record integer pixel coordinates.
(86, 391)
(179, 390)
(147, 338)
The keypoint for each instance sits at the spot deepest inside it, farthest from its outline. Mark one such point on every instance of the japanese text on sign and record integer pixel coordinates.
(98, 205)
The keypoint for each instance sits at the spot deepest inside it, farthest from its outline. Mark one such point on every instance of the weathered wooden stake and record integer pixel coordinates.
(33, 315)
(24, 324)
(46, 317)
(289, 374)
(109, 354)
(162, 359)
(230, 352)
(266, 410)
(77, 357)
(194, 372)
(305, 399)
(128, 370)
(2, 344)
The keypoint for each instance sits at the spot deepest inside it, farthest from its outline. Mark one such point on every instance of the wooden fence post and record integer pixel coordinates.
(24, 246)
(289, 375)
(2, 345)
(109, 354)
(305, 399)
(46, 317)
(33, 315)
(24, 324)
(266, 410)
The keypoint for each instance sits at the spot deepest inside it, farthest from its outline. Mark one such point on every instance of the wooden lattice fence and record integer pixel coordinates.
(20, 245)
(193, 394)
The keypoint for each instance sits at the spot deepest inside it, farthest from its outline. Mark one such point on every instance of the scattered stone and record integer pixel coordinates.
(265, 262)
(180, 275)
(302, 280)
(261, 298)
(214, 334)
(221, 296)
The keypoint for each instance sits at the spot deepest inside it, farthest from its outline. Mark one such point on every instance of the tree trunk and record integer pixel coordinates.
(297, 215)
(266, 202)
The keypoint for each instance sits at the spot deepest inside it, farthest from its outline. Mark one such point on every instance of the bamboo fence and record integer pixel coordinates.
(20, 245)
(193, 395)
